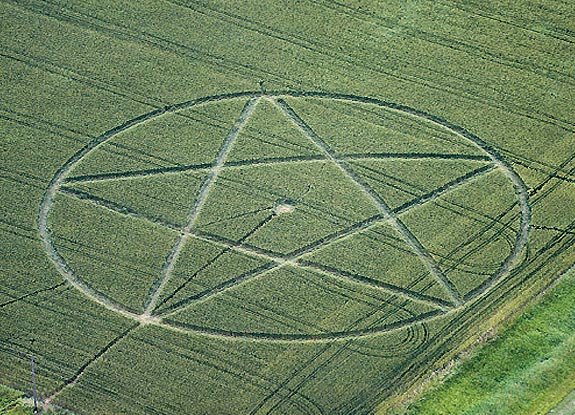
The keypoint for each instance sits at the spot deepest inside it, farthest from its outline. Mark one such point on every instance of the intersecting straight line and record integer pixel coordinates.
(220, 160)
(168, 266)
(370, 282)
(282, 260)
(354, 229)
(240, 247)
(400, 210)
(294, 258)
(267, 161)
(407, 235)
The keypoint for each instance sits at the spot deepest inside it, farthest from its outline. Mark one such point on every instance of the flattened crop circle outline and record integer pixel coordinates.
(497, 161)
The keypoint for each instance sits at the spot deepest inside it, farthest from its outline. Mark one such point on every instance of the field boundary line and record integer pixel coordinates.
(210, 179)
(408, 236)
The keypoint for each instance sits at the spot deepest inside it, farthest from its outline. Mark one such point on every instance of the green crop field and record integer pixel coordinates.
(274, 207)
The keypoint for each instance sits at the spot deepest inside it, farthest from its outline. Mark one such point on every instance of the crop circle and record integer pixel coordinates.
(288, 207)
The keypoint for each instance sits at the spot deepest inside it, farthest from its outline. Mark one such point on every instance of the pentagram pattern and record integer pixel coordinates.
(309, 211)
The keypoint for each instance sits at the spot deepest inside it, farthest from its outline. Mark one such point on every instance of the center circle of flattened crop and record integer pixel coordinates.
(368, 212)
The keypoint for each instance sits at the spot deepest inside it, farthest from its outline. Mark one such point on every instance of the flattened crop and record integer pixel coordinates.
(307, 243)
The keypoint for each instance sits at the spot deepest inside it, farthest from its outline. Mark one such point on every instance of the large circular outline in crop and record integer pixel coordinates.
(499, 162)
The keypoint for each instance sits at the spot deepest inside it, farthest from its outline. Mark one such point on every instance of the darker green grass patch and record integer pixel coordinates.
(528, 369)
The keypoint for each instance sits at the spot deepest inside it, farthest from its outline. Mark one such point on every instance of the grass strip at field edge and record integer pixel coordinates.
(472, 386)
(14, 402)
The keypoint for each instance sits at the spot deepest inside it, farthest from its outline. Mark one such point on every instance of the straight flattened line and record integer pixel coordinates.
(114, 207)
(548, 169)
(445, 189)
(137, 173)
(377, 219)
(226, 366)
(208, 264)
(342, 289)
(156, 289)
(220, 160)
(561, 35)
(467, 250)
(330, 154)
(388, 180)
(475, 214)
(408, 236)
(428, 260)
(239, 247)
(306, 129)
(363, 280)
(411, 156)
(263, 162)
(275, 140)
(220, 289)
(274, 160)
(229, 65)
(166, 270)
(121, 31)
(96, 295)
(192, 299)
(74, 379)
(138, 154)
(336, 236)
(192, 167)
